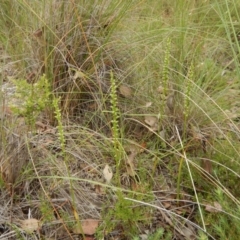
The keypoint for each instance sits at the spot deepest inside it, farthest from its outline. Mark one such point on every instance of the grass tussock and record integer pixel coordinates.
(119, 119)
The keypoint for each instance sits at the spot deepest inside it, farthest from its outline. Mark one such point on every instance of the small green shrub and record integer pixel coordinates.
(33, 99)
(125, 215)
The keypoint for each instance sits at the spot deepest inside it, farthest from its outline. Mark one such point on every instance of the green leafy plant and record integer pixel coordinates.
(125, 215)
(33, 99)
(46, 211)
